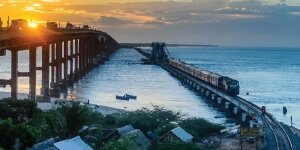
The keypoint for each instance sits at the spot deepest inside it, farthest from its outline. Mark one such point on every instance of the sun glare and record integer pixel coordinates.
(33, 25)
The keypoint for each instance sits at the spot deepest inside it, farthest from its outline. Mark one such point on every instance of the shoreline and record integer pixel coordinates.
(105, 110)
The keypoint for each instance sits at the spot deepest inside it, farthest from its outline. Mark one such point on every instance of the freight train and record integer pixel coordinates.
(224, 83)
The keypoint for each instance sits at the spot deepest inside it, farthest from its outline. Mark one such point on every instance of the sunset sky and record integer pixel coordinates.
(222, 22)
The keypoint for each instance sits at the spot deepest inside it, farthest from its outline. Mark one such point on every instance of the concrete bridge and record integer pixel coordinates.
(67, 55)
(275, 134)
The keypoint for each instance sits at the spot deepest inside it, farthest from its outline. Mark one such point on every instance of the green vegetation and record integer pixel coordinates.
(176, 146)
(24, 121)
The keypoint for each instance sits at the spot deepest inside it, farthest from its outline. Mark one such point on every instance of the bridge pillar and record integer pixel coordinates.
(81, 57)
(76, 72)
(71, 61)
(32, 72)
(198, 87)
(55, 87)
(213, 96)
(202, 90)
(227, 105)
(66, 65)
(235, 110)
(219, 100)
(207, 93)
(14, 74)
(244, 117)
(45, 72)
(53, 61)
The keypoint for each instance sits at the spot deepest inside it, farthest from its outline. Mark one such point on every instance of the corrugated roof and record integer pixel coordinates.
(45, 145)
(182, 134)
(73, 144)
(140, 141)
(125, 129)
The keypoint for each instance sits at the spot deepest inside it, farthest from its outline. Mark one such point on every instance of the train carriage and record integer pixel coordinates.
(227, 84)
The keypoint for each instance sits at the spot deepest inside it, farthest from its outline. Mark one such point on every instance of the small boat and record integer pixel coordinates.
(125, 98)
(130, 96)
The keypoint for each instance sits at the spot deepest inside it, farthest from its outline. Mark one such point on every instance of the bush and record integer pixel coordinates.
(146, 119)
(67, 120)
(18, 110)
(200, 127)
(9, 132)
(175, 146)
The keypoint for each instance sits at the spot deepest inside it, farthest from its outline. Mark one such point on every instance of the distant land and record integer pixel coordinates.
(131, 45)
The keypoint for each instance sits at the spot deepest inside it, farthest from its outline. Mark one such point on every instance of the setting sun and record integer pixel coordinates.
(33, 25)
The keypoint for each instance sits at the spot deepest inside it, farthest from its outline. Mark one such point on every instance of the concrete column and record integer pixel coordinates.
(81, 62)
(45, 71)
(76, 59)
(207, 93)
(14, 74)
(235, 110)
(58, 62)
(72, 60)
(213, 96)
(202, 90)
(227, 105)
(53, 61)
(65, 62)
(32, 71)
(219, 99)
(244, 116)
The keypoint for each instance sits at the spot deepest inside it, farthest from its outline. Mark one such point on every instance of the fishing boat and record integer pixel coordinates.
(122, 97)
(130, 96)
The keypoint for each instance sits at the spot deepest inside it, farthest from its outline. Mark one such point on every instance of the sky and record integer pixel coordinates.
(274, 23)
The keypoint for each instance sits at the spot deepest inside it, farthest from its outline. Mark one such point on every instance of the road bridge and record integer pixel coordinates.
(67, 55)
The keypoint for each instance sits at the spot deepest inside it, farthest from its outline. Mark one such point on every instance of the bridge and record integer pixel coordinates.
(277, 135)
(67, 55)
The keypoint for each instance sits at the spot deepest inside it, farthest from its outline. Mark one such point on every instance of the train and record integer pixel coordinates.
(226, 84)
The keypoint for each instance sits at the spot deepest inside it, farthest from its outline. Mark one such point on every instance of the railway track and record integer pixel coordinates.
(281, 138)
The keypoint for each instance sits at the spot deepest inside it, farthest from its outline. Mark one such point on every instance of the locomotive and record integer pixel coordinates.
(224, 83)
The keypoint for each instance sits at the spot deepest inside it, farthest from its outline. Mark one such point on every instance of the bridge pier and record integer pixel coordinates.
(32, 71)
(202, 90)
(219, 100)
(213, 96)
(66, 57)
(45, 91)
(14, 74)
(207, 93)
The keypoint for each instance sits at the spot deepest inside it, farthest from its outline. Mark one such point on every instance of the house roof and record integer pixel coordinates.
(125, 129)
(72, 144)
(45, 145)
(182, 134)
(140, 141)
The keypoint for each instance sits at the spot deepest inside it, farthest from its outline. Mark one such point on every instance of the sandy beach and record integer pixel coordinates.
(105, 110)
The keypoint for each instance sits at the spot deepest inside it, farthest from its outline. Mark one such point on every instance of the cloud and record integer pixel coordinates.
(224, 22)
(112, 21)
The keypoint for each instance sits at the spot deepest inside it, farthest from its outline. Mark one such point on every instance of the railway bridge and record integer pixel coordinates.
(67, 55)
(276, 134)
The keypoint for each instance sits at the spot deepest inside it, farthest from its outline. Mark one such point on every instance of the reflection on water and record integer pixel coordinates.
(270, 75)
(152, 85)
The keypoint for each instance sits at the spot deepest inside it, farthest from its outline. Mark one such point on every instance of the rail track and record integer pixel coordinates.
(281, 138)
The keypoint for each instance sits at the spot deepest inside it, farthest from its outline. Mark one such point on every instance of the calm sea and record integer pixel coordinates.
(271, 76)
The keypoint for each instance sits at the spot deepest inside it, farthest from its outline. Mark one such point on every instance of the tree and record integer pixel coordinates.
(175, 146)
(9, 132)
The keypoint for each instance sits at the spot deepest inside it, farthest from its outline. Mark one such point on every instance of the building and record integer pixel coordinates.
(123, 130)
(75, 143)
(137, 140)
(177, 135)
